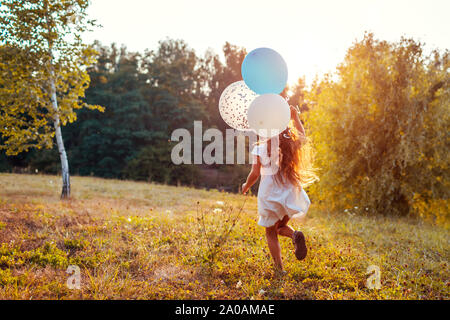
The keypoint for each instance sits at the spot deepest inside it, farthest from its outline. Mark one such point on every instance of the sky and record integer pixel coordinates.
(312, 36)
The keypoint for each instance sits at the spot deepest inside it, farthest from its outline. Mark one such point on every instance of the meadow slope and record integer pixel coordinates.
(136, 240)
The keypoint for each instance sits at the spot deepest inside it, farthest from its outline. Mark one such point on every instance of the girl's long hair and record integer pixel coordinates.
(297, 156)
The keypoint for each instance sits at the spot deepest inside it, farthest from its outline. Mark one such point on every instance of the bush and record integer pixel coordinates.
(381, 131)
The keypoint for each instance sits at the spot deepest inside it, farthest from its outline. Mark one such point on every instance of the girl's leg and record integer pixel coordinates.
(274, 245)
(283, 229)
(297, 237)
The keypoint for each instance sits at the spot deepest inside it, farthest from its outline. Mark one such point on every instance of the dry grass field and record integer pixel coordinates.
(145, 241)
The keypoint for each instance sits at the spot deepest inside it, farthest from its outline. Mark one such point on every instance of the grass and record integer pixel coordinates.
(145, 241)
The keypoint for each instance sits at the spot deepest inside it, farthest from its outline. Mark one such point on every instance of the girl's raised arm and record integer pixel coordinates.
(298, 124)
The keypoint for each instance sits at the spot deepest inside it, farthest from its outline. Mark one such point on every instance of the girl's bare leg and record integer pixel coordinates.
(283, 229)
(274, 245)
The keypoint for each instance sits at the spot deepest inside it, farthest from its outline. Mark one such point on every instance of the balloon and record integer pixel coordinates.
(264, 71)
(268, 115)
(234, 103)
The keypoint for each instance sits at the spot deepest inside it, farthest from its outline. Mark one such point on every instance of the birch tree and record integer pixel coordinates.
(43, 75)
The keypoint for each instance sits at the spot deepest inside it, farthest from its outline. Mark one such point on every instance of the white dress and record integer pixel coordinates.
(276, 200)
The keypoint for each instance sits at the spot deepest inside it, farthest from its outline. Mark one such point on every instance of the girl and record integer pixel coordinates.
(280, 193)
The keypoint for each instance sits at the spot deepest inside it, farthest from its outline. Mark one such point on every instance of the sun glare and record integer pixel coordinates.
(311, 36)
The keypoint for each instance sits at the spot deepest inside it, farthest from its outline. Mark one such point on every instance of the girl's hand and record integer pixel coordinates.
(294, 112)
(244, 188)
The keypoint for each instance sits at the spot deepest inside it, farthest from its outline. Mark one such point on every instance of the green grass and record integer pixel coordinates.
(145, 241)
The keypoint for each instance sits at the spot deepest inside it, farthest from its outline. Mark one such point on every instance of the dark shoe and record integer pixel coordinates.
(300, 246)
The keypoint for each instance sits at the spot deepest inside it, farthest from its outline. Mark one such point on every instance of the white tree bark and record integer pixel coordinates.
(60, 143)
(56, 121)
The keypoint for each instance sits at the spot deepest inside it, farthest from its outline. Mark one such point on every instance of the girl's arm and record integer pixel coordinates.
(297, 123)
(252, 176)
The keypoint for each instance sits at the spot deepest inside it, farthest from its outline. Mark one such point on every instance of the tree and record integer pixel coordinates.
(297, 95)
(175, 87)
(43, 73)
(146, 98)
(381, 130)
(220, 75)
(102, 143)
(153, 163)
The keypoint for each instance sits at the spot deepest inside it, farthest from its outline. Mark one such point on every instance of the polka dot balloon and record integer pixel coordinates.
(234, 103)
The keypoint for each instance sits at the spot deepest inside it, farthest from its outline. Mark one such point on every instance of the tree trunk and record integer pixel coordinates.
(65, 194)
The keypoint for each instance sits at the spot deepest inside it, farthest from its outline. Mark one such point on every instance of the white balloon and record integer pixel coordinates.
(234, 103)
(269, 115)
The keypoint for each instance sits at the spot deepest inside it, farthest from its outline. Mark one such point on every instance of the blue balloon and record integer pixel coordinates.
(265, 71)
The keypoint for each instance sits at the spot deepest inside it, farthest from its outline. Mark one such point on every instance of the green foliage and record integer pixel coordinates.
(41, 56)
(102, 143)
(146, 98)
(8, 279)
(175, 86)
(48, 254)
(45, 161)
(153, 163)
(381, 130)
(75, 244)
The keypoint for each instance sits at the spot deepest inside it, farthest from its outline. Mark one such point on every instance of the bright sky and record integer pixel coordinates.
(312, 35)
